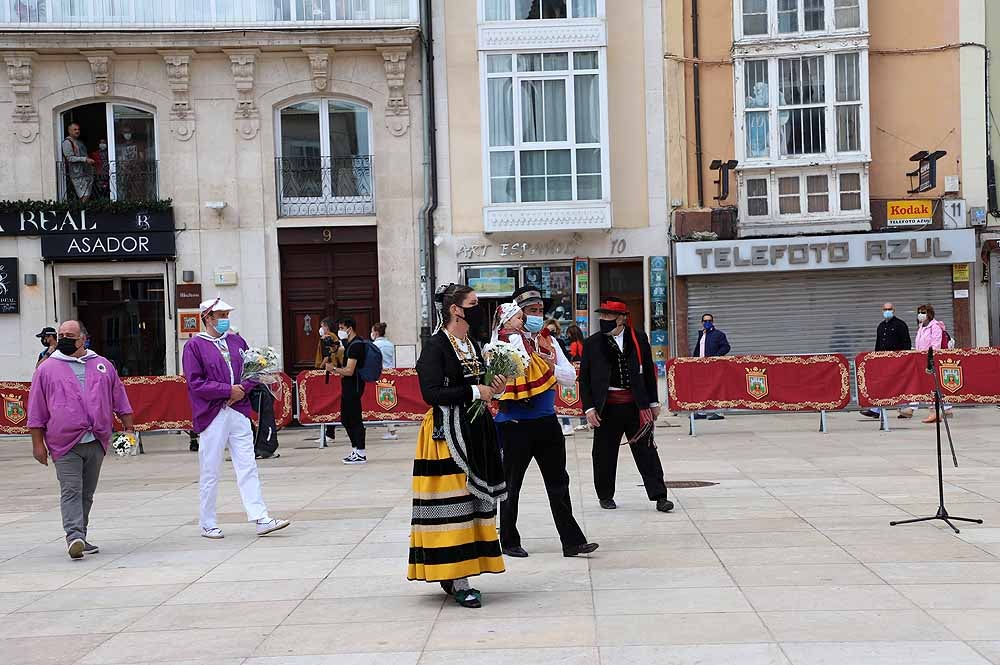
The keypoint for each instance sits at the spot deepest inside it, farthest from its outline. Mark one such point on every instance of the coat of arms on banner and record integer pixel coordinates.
(570, 395)
(951, 375)
(757, 382)
(385, 394)
(13, 409)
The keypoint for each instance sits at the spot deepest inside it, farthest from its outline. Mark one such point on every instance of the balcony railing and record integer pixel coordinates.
(122, 180)
(203, 14)
(325, 186)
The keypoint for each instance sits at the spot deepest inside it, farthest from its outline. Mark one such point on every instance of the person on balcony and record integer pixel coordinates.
(131, 168)
(79, 167)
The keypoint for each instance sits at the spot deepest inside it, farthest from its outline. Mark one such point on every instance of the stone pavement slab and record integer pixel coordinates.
(787, 560)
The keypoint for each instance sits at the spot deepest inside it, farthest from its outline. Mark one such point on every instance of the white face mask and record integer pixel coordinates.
(921, 317)
(323, 332)
(128, 136)
(342, 334)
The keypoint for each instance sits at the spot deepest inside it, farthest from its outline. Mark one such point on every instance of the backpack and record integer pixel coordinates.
(946, 341)
(370, 369)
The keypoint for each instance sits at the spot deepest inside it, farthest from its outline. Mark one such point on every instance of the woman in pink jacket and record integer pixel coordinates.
(930, 335)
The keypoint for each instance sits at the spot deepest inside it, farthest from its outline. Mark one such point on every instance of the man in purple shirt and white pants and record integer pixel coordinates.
(221, 412)
(71, 407)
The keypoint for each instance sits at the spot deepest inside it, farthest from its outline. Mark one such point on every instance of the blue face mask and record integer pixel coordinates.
(888, 314)
(708, 325)
(533, 324)
(222, 325)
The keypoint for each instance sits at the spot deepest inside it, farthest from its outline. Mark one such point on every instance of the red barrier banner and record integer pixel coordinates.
(761, 383)
(14, 416)
(158, 403)
(395, 396)
(891, 378)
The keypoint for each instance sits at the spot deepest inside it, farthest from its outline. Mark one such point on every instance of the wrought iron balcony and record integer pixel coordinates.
(204, 14)
(121, 180)
(324, 186)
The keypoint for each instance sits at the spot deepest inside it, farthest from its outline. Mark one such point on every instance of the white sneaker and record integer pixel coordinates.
(568, 430)
(390, 436)
(215, 533)
(355, 458)
(270, 526)
(582, 428)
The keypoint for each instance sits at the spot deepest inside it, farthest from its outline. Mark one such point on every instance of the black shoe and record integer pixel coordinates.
(700, 416)
(585, 548)
(868, 413)
(664, 505)
(608, 504)
(715, 416)
(516, 551)
(193, 447)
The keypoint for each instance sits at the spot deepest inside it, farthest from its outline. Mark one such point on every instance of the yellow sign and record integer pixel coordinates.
(960, 272)
(909, 212)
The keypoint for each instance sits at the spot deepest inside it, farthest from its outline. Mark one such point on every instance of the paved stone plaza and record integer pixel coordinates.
(789, 559)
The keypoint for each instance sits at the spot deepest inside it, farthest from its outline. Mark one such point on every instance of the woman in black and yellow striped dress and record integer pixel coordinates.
(457, 471)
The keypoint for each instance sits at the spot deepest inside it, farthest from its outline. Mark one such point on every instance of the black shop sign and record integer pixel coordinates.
(9, 301)
(68, 222)
(82, 246)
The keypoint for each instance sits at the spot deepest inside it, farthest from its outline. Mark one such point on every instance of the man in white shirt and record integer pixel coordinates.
(388, 350)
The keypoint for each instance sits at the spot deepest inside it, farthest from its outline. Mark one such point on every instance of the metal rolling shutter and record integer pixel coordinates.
(821, 311)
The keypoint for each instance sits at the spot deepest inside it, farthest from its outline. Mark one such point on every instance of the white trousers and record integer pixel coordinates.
(230, 428)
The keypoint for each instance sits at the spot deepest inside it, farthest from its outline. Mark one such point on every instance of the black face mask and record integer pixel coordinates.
(66, 346)
(45, 342)
(607, 327)
(474, 317)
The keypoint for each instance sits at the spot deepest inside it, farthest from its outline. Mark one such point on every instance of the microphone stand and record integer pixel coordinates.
(942, 512)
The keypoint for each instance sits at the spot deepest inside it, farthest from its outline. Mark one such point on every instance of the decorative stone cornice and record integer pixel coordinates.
(551, 217)
(182, 121)
(397, 109)
(100, 68)
(244, 63)
(319, 65)
(20, 75)
(569, 34)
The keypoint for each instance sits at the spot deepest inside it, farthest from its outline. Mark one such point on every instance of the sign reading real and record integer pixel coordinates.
(827, 252)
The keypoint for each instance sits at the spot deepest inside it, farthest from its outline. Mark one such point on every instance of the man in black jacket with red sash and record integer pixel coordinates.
(619, 394)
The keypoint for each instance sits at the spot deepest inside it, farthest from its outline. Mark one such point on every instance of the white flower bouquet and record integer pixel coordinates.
(502, 359)
(260, 364)
(124, 444)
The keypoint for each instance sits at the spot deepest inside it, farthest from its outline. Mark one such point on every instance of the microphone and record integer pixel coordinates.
(930, 361)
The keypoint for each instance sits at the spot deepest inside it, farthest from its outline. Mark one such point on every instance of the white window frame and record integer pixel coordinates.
(570, 144)
(832, 214)
(830, 28)
(830, 104)
(481, 9)
(328, 200)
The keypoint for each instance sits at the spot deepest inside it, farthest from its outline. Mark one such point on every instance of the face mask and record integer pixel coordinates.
(474, 317)
(342, 334)
(128, 136)
(323, 332)
(607, 327)
(888, 314)
(921, 317)
(707, 325)
(222, 326)
(45, 342)
(66, 346)
(533, 323)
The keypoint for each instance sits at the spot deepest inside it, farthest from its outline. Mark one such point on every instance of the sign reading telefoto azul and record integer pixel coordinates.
(864, 250)
(9, 303)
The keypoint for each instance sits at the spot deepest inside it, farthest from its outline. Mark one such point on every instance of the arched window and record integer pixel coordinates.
(324, 163)
(107, 151)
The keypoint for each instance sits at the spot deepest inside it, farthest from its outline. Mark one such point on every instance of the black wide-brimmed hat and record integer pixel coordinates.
(612, 306)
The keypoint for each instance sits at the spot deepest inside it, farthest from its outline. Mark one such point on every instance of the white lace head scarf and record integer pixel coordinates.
(505, 313)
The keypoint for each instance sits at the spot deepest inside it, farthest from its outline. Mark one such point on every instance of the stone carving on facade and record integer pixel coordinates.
(100, 67)
(19, 73)
(178, 65)
(397, 109)
(319, 66)
(247, 116)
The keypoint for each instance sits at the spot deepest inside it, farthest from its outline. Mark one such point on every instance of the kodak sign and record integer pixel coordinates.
(909, 212)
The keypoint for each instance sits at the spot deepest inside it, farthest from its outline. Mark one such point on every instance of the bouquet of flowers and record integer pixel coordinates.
(124, 444)
(502, 359)
(260, 364)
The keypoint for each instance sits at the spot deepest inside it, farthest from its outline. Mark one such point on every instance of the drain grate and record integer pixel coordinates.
(684, 484)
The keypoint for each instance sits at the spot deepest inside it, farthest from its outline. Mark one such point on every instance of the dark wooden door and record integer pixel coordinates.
(336, 278)
(624, 280)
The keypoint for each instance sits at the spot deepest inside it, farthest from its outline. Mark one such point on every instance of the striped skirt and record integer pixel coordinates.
(450, 538)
